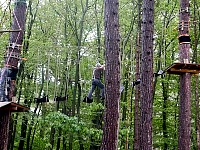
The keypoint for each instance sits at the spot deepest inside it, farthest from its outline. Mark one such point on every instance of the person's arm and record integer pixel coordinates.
(102, 67)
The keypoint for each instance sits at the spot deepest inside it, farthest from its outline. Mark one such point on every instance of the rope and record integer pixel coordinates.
(37, 95)
(4, 16)
(3, 20)
(56, 76)
(3, 3)
(13, 46)
(58, 73)
(17, 20)
(6, 64)
(48, 74)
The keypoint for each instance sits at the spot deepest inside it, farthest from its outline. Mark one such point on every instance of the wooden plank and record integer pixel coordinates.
(183, 71)
(14, 107)
(2, 104)
(2, 31)
(180, 68)
(9, 109)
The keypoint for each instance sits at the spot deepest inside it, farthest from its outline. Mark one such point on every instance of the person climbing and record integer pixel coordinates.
(96, 81)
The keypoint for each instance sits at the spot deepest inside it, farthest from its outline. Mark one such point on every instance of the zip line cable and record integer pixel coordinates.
(47, 76)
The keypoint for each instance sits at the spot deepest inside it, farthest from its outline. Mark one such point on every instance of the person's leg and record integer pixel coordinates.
(101, 86)
(92, 89)
(102, 94)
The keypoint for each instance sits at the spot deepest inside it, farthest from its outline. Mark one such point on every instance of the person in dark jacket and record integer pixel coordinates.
(96, 82)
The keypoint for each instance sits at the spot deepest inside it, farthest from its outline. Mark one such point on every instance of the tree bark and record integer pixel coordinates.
(164, 115)
(11, 63)
(112, 76)
(23, 132)
(16, 39)
(184, 141)
(147, 75)
(197, 112)
(4, 129)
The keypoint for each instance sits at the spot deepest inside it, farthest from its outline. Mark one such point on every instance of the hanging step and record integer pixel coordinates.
(13, 107)
(60, 99)
(42, 100)
(180, 68)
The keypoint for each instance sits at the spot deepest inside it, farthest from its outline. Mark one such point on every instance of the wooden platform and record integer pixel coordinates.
(13, 107)
(2, 31)
(180, 68)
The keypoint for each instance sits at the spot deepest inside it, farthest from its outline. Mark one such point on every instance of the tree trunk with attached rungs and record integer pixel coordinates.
(184, 130)
(9, 71)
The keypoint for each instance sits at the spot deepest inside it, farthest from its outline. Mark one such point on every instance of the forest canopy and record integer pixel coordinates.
(63, 41)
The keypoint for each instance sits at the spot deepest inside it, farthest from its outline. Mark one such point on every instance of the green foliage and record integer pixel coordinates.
(60, 32)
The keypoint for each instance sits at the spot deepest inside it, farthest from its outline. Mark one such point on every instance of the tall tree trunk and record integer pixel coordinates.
(11, 63)
(112, 76)
(4, 129)
(10, 67)
(23, 132)
(184, 141)
(16, 40)
(16, 117)
(197, 112)
(147, 75)
(164, 114)
(24, 120)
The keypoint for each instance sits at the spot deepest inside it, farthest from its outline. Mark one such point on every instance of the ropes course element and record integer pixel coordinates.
(3, 20)
(9, 64)
(4, 3)
(56, 97)
(3, 16)
(47, 76)
(45, 98)
(12, 58)
(59, 98)
(36, 90)
(2, 31)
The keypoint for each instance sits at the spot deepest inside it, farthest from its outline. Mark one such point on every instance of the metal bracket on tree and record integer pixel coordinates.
(184, 24)
(182, 10)
(184, 39)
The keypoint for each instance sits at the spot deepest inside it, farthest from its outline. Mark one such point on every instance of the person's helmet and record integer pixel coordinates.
(98, 65)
